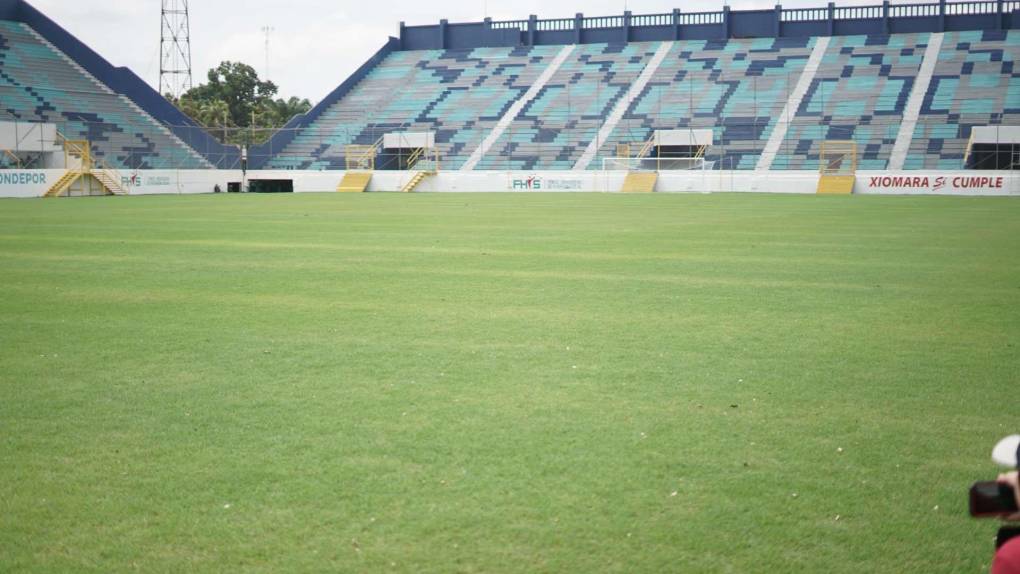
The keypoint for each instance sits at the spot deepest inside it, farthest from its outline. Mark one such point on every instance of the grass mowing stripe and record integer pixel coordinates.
(503, 382)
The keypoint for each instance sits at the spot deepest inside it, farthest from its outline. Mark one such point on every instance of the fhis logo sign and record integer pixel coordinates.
(536, 183)
(22, 178)
(532, 183)
(135, 180)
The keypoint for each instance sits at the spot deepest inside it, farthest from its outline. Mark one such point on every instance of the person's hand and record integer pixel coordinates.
(1012, 479)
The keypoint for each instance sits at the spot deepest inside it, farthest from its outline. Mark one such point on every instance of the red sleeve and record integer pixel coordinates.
(1007, 560)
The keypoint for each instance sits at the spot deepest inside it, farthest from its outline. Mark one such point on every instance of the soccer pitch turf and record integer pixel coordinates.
(504, 383)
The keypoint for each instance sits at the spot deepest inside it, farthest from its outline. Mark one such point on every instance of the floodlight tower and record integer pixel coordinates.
(175, 49)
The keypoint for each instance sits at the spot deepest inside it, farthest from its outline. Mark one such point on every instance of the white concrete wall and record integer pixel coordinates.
(887, 183)
(559, 181)
(27, 182)
(160, 182)
(982, 183)
(35, 183)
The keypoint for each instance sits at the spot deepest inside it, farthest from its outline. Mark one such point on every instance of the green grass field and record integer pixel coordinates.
(504, 383)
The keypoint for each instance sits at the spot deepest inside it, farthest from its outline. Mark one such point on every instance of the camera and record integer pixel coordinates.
(992, 500)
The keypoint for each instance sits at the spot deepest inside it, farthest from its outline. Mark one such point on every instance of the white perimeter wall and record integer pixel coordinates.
(35, 183)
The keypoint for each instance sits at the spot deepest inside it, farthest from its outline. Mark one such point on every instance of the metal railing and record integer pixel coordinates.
(842, 13)
(555, 25)
(690, 18)
(652, 20)
(602, 22)
(914, 10)
(859, 13)
(804, 15)
(972, 8)
(521, 25)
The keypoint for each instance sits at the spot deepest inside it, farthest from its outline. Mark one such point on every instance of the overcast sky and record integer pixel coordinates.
(315, 44)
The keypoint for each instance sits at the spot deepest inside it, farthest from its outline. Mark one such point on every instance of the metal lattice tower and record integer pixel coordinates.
(175, 49)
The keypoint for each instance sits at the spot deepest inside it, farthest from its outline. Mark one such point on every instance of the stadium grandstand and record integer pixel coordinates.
(708, 292)
(834, 90)
(47, 76)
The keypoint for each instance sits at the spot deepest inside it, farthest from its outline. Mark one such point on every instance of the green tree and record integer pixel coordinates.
(237, 106)
(213, 114)
(284, 110)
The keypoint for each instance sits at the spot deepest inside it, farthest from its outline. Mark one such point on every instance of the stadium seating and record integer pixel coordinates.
(40, 84)
(859, 93)
(553, 130)
(860, 90)
(459, 94)
(976, 83)
(737, 87)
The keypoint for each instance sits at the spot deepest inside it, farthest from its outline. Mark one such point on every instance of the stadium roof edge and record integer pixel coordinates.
(778, 22)
(123, 81)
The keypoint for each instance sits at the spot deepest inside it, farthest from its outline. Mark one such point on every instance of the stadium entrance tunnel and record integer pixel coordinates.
(396, 159)
(271, 186)
(404, 151)
(993, 148)
(994, 157)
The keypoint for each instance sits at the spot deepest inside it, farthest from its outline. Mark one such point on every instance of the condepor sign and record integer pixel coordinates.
(22, 178)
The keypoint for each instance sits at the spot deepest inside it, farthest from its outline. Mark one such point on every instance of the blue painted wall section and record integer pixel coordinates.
(779, 22)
